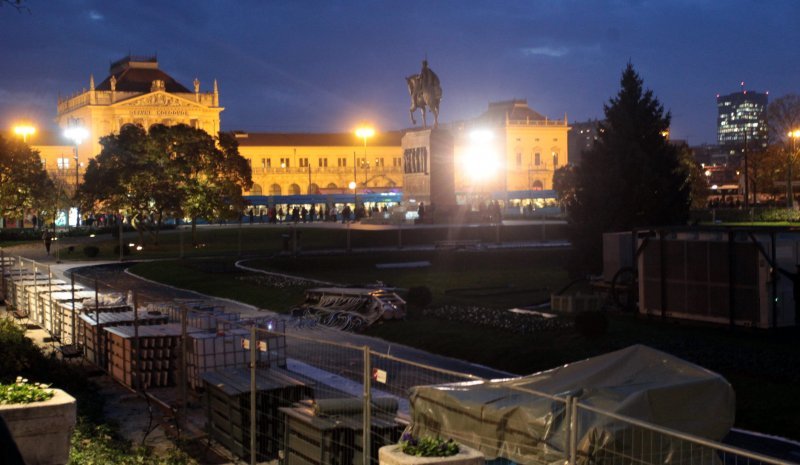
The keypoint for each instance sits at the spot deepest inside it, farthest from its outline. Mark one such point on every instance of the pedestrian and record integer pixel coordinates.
(48, 239)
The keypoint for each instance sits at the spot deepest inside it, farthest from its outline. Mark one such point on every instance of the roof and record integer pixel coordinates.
(344, 139)
(137, 75)
(513, 110)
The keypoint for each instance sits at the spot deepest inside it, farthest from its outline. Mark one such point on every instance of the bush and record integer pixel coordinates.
(419, 296)
(126, 250)
(591, 324)
(91, 251)
(427, 446)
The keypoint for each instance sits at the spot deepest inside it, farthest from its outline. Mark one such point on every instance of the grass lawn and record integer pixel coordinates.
(759, 364)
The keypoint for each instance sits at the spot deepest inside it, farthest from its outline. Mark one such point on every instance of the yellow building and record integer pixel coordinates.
(135, 92)
(509, 149)
(300, 164)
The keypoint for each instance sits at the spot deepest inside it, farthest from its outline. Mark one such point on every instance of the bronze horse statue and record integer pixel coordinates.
(424, 96)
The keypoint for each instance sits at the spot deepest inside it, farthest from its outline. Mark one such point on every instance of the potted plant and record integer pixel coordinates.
(41, 420)
(427, 450)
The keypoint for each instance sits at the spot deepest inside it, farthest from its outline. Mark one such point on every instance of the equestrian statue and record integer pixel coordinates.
(425, 94)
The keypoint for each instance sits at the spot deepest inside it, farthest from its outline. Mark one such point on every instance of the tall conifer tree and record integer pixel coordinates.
(631, 177)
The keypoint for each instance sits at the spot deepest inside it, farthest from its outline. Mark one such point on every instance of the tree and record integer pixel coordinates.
(696, 177)
(24, 183)
(170, 170)
(631, 177)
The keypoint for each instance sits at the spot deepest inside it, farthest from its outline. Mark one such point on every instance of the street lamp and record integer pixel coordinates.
(789, 191)
(77, 135)
(24, 130)
(364, 133)
(352, 185)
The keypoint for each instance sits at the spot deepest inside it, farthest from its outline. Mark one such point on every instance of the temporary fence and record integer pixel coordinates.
(265, 390)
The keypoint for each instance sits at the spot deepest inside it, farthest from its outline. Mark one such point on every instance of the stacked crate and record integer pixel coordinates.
(314, 437)
(61, 310)
(16, 285)
(214, 351)
(92, 336)
(33, 294)
(228, 408)
(150, 363)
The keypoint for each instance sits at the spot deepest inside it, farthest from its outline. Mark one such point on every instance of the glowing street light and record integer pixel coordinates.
(364, 132)
(480, 161)
(24, 130)
(77, 135)
(789, 191)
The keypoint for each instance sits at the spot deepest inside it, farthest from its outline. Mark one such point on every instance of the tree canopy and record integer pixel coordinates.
(24, 182)
(631, 177)
(168, 171)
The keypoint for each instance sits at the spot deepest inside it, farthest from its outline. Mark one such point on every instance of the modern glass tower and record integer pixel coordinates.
(742, 120)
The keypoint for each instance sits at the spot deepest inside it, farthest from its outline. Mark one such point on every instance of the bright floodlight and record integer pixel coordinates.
(76, 134)
(481, 161)
(352, 185)
(481, 136)
(365, 132)
(24, 130)
(794, 134)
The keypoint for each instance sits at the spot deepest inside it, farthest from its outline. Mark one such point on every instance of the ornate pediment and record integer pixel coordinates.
(158, 99)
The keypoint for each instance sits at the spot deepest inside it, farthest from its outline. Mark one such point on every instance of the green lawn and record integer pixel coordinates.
(759, 364)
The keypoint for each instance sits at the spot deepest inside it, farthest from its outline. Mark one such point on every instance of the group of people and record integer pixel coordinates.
(297, 214)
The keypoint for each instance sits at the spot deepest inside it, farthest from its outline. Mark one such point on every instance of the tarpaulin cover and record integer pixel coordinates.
(526, 420)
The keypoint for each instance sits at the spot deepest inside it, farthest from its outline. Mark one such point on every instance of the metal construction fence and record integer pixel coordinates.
(263, 387)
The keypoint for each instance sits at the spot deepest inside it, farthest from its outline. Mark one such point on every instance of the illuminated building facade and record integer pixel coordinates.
(523, 151)
(742, 117)
(304, 163)
(136, 91)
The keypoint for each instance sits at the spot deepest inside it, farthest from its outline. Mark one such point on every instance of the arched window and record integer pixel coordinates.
(256, 189)
(332, 186)
(313, 189)
(275, 189)
(294, 189)
(537, 185)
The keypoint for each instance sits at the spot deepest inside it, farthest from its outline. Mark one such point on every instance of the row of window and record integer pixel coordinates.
(294, 189)
(341, 162)
(537, 159)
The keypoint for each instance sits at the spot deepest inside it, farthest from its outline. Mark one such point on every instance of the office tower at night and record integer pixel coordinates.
(742, 118)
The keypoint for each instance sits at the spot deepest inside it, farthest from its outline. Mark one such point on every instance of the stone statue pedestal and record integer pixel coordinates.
(429, 176)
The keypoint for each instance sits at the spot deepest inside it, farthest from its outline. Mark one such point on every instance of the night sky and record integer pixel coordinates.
(315, 66)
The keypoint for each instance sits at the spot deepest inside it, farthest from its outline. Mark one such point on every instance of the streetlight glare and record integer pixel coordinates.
(352, 185)
(480, 163)
(24, 130)
(365, 132)
(76, 134)
(481, 136)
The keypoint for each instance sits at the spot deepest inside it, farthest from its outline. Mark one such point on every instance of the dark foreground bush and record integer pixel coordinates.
(91, 251)
(419, 297)
(591, 324)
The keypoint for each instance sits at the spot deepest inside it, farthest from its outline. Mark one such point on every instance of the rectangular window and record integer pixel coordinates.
(555, 159)
(62, 163)
(519, 159)
(323, 162)
(537, 158)
(303, 162)
(284, 162)
(263, 163)
(397, 162)
(342, 162)
(379, 162)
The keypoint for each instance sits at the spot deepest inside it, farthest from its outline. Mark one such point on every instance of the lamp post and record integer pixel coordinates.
(77, 135)
(364, 132)
(789, 191)
(24, 130)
